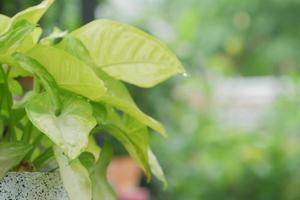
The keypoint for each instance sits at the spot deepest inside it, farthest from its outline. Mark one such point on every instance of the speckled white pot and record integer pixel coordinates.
(32, 186)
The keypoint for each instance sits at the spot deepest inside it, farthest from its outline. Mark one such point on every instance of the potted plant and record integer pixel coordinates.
(77, 92)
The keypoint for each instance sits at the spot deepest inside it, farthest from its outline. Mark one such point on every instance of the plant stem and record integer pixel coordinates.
(27, 132)
(9, 101)
(42, 160)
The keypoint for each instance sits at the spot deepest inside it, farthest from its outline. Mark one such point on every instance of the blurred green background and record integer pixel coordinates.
(234, 121)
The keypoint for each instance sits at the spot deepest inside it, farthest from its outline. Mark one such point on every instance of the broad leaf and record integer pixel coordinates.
(69, 130)
(75, 47)
(56, 34)
(156, 168)
(43, 75)
(34, 13)
(27, 43)
(30, 40)
(75, 177)
(4, 23)
(12, 39)
(127, 53)
(11, 154)
(130, 133)
(69, 72)
(98, 173)
(117, 95)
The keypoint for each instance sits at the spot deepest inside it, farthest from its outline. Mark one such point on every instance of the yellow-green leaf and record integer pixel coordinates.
(118, 96)
(4, 23)
(127, 53)
(34, 13)
(70, 130)
(75, 177)
(69, 72)
(11, 154)
(156, 168)
(130, 133)
(30, 40)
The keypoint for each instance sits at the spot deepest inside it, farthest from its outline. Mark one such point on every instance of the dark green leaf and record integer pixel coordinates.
(87, 159)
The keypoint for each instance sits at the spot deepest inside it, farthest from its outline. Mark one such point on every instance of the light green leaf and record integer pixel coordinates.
(118, 96)
(12, 39)
(27, 43)
(76, 48)
(156, 168)
(4, 23)
(11, 154)
(34, 13)
(69, 72)
(14, 87)
(127, 53)
(42, 74)
(75, 177)
(130, 133)
(69, 130)
(93, 148)
(98, 173)
(56, 34)
(30, 40)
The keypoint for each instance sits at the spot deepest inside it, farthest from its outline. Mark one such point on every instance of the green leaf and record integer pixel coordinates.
(75, 177)
(30, 40)
(69, 72)
(130, 133)
(11, 154)
(14, 86)
(101, 187)
(156, 168)
(69, 130)
(56, 34)
(76, 48)
(34, 13)
(87, 159)
(127, 53)
(118, 96)
(93, 148)
(4, 23)
(12, 39)
(46, 79)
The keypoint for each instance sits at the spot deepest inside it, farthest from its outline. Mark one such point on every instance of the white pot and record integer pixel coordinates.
(32, 186)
